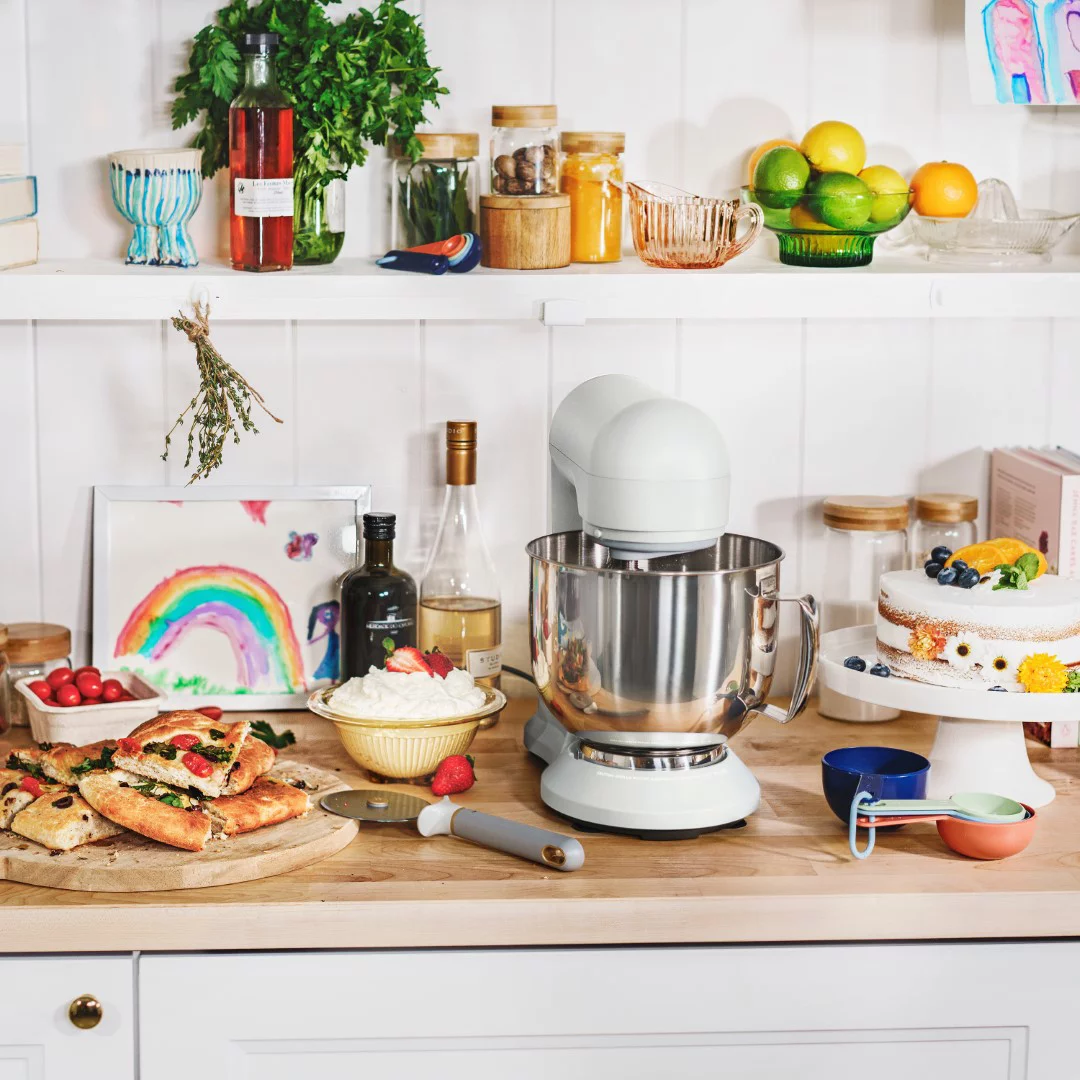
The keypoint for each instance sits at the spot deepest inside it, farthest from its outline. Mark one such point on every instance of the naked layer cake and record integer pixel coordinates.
(980, 637)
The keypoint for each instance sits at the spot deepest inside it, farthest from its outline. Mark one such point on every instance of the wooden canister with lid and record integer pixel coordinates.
(525, 233)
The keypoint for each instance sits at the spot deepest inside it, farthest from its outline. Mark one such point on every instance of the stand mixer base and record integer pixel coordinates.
(653, 834)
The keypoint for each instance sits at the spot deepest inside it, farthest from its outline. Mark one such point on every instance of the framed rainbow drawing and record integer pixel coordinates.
(224, 596)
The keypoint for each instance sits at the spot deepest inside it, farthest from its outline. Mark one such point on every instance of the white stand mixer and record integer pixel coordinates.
(654, 634)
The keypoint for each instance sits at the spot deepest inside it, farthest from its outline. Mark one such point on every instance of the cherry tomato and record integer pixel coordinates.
(42, 689)
(87, 668)
(33, 785)
(211, 712)
(129, 746)
(112, 690)
(185, 742)
(60, 676)
(89, 684)
(68, 695)
(125, 696)
(197, 764)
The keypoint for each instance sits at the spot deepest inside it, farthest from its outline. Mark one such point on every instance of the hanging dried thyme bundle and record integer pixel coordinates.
(223, 399)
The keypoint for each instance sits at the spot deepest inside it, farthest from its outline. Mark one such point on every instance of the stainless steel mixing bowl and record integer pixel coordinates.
(675, 651)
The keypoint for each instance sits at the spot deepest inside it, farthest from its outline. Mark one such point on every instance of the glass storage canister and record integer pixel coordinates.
(524, 150)
(866, 536)
(435, 198)
(5, 690)
(592, 175)
(33, 650)
(942, 519)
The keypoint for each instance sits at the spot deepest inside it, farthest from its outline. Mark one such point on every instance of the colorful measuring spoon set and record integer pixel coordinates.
(458, 254)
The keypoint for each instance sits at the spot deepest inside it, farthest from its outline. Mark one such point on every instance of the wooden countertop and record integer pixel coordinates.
(786, 877)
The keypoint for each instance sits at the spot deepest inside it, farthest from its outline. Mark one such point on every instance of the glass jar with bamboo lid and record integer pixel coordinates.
(592, 175)
(942, 519)
(435, 198)
(866, 535)
(524, 150)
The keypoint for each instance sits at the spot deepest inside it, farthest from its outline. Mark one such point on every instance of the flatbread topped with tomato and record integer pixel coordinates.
(62, 820)
(66, 763)
(254, 760)
(183, 749)
(268, 801)
(27, 759)
(148, 807)
(18, 790)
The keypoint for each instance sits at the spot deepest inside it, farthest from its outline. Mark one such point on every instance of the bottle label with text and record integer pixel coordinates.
(484, 663)
(262, 198)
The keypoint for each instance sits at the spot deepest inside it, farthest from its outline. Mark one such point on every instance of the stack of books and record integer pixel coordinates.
(18, 209)
(1035, 496)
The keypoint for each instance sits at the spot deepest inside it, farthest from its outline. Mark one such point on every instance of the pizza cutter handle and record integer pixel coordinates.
(446, 818)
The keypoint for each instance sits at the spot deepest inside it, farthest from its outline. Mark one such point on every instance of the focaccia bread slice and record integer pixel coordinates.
(27, 759)
(254, 760)
(183, 749)
(267, 802)
(66, 763)
(62, 820)
(13, 796)
(148, 807)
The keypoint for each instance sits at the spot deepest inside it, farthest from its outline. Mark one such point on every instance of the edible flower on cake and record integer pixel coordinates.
(414, 695)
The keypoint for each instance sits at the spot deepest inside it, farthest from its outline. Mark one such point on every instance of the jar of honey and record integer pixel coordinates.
(592, 175)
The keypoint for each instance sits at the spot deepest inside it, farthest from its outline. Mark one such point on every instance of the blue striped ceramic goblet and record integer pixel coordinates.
(158, 191)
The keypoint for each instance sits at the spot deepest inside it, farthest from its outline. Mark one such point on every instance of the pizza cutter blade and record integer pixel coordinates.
(447, 818)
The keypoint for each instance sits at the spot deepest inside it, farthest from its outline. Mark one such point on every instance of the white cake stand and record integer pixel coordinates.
(979, 745)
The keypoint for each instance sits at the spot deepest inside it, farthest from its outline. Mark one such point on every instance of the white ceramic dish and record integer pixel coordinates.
(89, 723)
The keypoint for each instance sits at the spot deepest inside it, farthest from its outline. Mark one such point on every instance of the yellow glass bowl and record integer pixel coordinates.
(404, 749)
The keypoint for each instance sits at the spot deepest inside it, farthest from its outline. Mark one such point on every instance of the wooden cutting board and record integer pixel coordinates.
(131, 863)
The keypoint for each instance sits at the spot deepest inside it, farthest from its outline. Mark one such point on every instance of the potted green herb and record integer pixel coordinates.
(352, 82)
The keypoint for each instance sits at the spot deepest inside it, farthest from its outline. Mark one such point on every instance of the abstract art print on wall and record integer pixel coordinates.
(1023, 52)
(227, 596)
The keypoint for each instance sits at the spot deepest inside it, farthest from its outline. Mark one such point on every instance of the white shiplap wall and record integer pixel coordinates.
(809, 408)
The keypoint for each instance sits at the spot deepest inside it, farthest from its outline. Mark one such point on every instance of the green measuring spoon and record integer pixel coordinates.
(968, 805)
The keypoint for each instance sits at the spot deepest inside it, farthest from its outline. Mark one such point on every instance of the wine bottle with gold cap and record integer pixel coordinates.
(460, 608)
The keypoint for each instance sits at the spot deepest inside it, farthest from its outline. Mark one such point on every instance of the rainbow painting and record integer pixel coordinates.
(236, 603)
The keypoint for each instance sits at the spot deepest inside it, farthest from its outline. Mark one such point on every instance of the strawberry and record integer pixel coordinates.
(439, 663)
(408, 659)
(454, 774)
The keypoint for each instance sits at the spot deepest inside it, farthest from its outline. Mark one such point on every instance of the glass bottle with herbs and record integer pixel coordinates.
(435, 198)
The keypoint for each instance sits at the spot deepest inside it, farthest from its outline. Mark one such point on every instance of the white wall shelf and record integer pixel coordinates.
(355, 289)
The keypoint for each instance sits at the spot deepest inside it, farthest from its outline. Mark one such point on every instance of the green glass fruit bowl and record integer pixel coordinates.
(816, 229)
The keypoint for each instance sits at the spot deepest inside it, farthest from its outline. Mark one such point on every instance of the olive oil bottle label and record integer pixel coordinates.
(484, 663)
(262, 198)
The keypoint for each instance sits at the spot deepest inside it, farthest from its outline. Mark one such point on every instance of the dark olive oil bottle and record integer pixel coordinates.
(378, 601)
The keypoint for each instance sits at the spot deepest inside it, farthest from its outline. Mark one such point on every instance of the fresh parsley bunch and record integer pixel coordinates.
(352, 82)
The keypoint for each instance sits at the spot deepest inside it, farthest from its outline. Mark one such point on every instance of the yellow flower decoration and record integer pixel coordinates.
(926, 642)
(1042, 673)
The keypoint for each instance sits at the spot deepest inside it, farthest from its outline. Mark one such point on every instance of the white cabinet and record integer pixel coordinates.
(39, 1041)
(986, 1011)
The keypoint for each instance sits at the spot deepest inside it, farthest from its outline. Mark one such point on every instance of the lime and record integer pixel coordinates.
(833, 146)
(780, 177)
(841, 200)
(890, 192)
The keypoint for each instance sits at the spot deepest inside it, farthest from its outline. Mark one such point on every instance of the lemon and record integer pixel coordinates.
(780, 177)
(833, 146)
(802, 217)
(890, 192)
(840, 200)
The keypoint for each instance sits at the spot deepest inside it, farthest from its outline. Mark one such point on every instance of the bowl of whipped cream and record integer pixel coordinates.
(400, 725)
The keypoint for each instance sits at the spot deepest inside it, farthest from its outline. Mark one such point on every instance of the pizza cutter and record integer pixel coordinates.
(447, 818)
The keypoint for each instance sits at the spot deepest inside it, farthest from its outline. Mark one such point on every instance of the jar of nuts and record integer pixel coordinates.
(524, 150)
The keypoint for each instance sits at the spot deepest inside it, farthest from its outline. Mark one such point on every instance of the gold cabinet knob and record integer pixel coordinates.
(85, 1012)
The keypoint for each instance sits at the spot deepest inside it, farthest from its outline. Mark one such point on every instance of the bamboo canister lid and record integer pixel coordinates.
(946, 509)
(522, 203)
(524, 116)
(866, 513)
(34, 643)
(593, 142)
(442, 144)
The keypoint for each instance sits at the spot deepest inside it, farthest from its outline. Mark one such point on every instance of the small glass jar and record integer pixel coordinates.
(435, 198)
(5, 690)
(524, 150)
(942, 519)
(592, 175)
(866, 536)
(33, 650)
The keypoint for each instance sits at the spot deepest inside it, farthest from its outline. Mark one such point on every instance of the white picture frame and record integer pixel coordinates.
(190, 584)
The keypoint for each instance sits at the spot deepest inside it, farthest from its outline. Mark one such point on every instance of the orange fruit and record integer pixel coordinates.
(757, 155)
(944, 189)
(983, 557)
(1014, 548)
